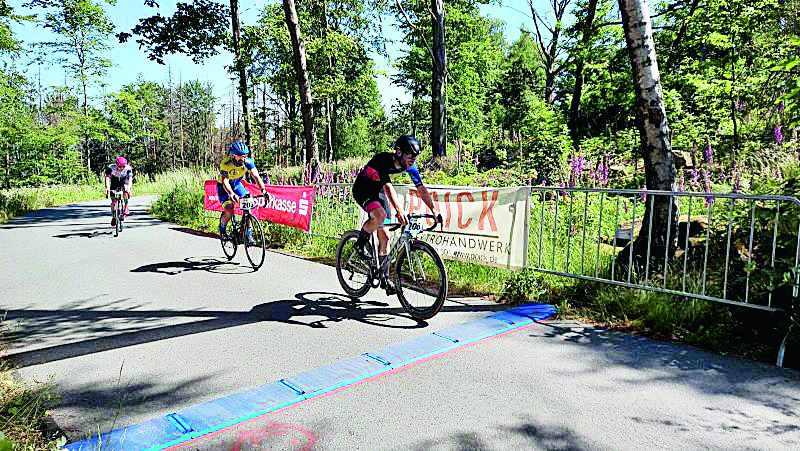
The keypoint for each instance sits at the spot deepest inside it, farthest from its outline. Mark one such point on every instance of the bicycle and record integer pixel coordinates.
(236, 233)
(118, 212)
(420, 277)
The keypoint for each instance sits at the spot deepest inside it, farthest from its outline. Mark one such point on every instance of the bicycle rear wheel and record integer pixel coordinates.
(254, 245)
(228, 239)
(421, 280)
(353, 272)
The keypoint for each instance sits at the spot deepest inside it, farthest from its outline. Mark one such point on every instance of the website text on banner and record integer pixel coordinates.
(289, 205)
(488, 226)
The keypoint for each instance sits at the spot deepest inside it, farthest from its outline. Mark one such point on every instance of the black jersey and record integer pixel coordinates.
(119, 176)
(372, 178)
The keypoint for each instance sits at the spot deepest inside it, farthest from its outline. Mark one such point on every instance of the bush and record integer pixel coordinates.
(182, 205)
(524, 285)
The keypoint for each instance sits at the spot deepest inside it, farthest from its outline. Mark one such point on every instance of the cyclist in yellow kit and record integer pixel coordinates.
(230, 188)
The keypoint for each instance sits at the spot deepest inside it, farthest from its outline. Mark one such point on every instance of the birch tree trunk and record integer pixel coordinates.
(307, 106)
(655, 148)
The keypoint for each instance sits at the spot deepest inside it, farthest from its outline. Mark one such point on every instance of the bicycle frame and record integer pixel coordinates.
(403, 242)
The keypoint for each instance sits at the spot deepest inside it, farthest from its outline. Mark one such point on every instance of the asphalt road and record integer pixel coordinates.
(156, 320)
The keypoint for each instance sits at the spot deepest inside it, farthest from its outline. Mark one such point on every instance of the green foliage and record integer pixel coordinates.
(524, 285)
(197, 29)
(545, 140)
(182, 205)
(23, 409)
(475, 46)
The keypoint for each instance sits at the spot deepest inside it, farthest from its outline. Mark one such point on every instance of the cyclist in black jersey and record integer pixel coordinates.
(373, 187)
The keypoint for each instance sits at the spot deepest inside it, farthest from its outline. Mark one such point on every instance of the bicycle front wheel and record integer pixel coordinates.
(352, 271)
(120, 215)
(254, 244)
(228, 239)
(115, 215)
(421, 280)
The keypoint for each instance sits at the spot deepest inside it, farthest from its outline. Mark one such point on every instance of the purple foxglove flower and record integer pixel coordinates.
(707, 183)
(681, 183)
(695, 177)
(708, 154)
(778, 135)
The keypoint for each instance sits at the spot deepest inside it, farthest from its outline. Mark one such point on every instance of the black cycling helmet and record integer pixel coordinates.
(408, 145)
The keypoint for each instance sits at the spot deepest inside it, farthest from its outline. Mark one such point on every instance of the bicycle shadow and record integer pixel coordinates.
(334, 308)
(208, 264)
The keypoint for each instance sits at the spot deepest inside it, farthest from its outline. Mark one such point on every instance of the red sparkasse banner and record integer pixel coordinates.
(289, 205)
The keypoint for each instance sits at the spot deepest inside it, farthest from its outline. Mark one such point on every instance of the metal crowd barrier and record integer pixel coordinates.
(583, 233)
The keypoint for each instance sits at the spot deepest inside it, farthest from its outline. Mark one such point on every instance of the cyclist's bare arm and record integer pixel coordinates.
(226, 183)
(426, 197)
(260, 182)
(391, 194)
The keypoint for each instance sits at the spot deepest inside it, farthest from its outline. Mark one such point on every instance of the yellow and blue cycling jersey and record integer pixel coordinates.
(234, 170)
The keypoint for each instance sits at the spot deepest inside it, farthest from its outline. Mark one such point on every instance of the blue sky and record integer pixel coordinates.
(130, 62)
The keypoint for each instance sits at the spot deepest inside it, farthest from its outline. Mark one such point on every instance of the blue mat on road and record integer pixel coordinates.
(201, 419)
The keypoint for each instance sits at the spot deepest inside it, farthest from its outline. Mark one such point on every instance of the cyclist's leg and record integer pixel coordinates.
(377, 214)
(383, 247)
(241, 191)
(227, 208)
(375, 206)
(126, 195)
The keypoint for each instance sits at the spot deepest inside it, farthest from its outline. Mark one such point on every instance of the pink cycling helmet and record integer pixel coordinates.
(121, 161)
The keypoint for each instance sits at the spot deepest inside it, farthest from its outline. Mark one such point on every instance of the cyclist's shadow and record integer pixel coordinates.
(208, 264)
(334, 307)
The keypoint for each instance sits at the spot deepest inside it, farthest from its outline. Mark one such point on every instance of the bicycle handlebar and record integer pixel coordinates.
(437, 219)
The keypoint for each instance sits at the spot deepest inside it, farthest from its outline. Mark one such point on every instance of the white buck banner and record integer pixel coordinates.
(488, 226)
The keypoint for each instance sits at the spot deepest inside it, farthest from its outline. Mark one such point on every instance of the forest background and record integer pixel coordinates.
(556, 99)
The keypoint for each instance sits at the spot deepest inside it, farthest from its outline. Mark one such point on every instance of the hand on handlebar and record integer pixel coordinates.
(402, 217)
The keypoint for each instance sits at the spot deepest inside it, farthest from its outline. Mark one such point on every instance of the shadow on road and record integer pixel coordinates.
(707, 372)
(123, 328)
(208, 264)
(57, 216)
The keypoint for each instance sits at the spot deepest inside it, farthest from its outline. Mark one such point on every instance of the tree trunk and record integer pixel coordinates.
(292, 134)
(438, 107)
(550, 51)
(237, 52)
(575, 104)
(312, 151)
(263, 130)
(655, 147)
